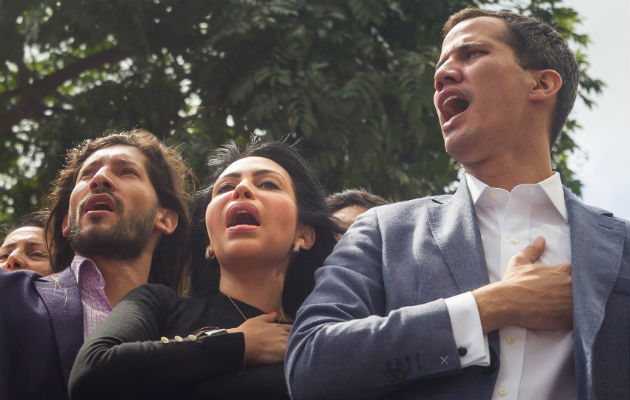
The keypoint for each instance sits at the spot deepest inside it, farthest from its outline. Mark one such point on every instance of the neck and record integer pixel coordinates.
(508, 171)
(121, 276)
(256, 285)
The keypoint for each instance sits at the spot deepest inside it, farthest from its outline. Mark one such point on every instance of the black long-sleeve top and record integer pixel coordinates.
(125, 357)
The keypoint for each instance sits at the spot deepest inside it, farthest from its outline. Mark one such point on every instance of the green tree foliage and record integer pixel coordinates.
(352, 79)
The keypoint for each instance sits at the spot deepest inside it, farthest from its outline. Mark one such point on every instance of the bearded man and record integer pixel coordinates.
(118, 219)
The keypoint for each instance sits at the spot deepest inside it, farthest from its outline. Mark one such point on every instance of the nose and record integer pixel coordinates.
(446, 73)
(101, 181)
(243, 191)
(14, 262)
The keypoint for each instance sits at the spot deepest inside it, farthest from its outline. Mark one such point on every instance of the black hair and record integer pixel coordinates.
(35, 218)
(312, 210)
(354, 197)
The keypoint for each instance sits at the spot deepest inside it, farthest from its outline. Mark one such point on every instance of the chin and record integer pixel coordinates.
(459, 144)
(453, 147)
(244, 251)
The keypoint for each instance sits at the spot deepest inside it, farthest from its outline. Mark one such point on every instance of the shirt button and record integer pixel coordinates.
(178, 339)
(493, 196)
(510, 340)
(164, 339)
(515, 240)
(503, 391)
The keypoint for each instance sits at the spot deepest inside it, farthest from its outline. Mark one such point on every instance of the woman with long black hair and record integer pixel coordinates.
(262, 228)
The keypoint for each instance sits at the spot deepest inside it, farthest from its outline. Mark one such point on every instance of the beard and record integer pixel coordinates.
(124, 241)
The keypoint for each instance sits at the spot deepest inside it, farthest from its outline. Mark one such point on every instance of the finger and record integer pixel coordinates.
(566, 267)
(532, 252)
(279, 329)
(271, 317)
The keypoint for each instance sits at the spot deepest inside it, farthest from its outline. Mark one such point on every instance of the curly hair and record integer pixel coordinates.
(172, 180)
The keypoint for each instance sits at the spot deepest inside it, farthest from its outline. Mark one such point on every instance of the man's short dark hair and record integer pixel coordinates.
(536, 46)
(354, 197)
(172, 181)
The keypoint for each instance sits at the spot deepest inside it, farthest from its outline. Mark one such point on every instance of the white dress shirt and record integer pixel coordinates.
(534, 364)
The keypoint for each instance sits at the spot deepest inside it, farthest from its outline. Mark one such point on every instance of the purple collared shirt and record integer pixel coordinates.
(96, 307)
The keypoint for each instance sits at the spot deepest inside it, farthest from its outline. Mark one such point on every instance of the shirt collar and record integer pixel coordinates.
(475, 187)
(82, 266)
(552, 187)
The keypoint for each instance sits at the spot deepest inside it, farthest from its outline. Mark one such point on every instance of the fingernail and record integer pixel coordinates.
(538, 240)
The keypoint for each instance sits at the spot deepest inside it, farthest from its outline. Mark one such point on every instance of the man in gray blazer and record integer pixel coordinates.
(509, 289)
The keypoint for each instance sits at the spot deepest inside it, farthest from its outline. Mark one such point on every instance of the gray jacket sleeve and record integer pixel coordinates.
(373, 322)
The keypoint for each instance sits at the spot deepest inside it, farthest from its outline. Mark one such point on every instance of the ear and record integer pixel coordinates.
(547, 82)
(305, 237)
(166, 220)
(65, 231)
(209, 252)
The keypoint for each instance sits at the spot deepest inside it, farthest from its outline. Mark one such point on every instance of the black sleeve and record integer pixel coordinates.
(124, 356)
(260, 382)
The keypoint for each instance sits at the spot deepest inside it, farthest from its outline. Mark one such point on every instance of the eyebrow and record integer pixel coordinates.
(458, 49)
(29, 245)
(116, 161)
(255, 173)
(34, 244)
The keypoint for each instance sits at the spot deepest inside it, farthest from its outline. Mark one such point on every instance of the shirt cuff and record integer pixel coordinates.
(471, 343)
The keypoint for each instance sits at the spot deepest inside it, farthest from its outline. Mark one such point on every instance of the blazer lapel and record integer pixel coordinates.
(455, 230)
(596, 251)
(61, 296)
(454, 227)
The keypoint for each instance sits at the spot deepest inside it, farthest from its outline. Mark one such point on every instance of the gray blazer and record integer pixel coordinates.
(377, 325)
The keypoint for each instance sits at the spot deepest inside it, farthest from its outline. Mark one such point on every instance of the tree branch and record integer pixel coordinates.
(31, 96)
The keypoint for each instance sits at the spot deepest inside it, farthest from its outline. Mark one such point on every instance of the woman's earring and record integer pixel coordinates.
(209, 253)
(296, 248)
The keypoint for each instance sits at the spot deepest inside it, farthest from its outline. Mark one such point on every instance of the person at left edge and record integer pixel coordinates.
(24, 245)
(118, 218)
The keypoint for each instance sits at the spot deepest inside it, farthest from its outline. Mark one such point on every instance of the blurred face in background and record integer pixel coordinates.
(24, 248)
(347, 215)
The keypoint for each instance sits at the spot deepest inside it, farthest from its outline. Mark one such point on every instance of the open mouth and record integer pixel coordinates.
(452, 104)
(242, 214)
(100, 202)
